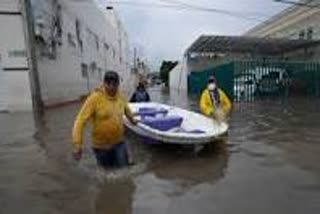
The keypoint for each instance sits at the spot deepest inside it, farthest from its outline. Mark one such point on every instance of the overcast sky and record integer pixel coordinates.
(165, 33)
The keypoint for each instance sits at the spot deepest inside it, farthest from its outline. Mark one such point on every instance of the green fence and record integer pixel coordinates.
(197, 81)
(251, 79)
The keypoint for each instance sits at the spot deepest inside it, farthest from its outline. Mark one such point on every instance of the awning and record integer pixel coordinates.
(244, 44)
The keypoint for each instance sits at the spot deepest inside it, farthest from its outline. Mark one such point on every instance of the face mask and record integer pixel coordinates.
(212, 86)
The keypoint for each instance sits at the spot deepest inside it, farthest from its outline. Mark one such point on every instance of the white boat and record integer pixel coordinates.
(168, 124)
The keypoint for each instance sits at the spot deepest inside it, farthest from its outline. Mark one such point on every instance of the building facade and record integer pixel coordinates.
(15, 93)
(76, 43)
(296, 22)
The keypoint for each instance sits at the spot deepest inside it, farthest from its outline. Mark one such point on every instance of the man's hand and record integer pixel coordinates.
(220, 115)
(77, 154)
(211, 114)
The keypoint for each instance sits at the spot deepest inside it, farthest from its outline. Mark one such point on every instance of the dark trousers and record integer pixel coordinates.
(117, 156)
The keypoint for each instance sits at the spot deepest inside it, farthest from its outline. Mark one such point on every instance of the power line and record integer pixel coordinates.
(208, 9)
(183, 6)
(149, 5)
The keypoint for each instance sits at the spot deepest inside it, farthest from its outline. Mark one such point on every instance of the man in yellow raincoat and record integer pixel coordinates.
(105, 107)
(214, 102)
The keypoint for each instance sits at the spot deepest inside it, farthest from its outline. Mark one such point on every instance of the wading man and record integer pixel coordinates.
(105, 107)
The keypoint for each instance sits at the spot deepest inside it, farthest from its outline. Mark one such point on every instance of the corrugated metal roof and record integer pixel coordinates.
(243, 44)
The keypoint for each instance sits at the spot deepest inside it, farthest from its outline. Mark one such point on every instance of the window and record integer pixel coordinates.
(81, 45)
(113, 53)
(84, 70)
(78, 29)
(71, 40)
(293, 36)
(93, 67)
(58, 25)
(17, 53)
(78, 35)
(302, 35)
(106, 46)
(310, 33)
(97, 41)
(100, 73)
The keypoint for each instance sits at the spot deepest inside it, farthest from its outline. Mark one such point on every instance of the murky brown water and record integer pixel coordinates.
(270, 163)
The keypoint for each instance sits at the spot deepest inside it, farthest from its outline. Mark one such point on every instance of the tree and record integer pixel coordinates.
(165, 69)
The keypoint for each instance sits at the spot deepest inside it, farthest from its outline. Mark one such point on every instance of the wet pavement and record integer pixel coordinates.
(269, 163)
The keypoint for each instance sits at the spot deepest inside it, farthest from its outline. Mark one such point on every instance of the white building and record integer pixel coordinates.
(15, 91)
(295, 22)
(178, 77)
(76, 41)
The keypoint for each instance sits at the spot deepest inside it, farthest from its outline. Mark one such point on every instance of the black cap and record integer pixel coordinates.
(212, 79)
(140, 85)
(111, 77)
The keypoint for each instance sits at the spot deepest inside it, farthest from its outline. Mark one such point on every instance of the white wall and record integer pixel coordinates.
(178, 77)
(12, 42)
(61, 78)
(15, 93)
(9, 6)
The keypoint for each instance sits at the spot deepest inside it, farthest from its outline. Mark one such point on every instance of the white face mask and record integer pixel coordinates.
(212, 86)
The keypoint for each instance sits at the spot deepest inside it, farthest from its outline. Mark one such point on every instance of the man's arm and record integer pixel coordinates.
(83, 116)
(205, 106)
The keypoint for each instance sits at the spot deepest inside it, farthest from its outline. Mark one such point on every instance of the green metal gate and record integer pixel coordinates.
(251, 79)
(197, 81)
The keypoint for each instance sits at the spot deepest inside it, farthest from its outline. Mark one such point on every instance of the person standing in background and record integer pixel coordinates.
(214, 102)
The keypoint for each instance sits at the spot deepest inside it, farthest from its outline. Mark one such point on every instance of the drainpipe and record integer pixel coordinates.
(28, 24)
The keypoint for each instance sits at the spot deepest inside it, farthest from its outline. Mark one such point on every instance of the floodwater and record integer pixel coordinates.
(269, 163)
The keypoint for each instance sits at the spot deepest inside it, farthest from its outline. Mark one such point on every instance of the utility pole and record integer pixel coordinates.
(135, 58)
(28, 24)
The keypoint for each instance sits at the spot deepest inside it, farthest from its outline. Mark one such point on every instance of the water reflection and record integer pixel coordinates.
(178, 164)
(114, 197)
(269, 164)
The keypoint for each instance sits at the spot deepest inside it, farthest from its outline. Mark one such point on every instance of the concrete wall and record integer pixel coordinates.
(104, 47)
(15, 93)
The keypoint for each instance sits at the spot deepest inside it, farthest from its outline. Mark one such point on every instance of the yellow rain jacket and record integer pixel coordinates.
(106, 114)
(207, 106)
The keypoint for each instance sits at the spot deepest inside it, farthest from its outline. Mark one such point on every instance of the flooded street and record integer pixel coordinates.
(269, 163)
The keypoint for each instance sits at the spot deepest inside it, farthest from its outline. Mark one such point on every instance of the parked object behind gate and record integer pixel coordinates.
(245, 87)
(260, 80)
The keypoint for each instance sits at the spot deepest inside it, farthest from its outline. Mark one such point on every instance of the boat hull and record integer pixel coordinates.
(197, 129)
